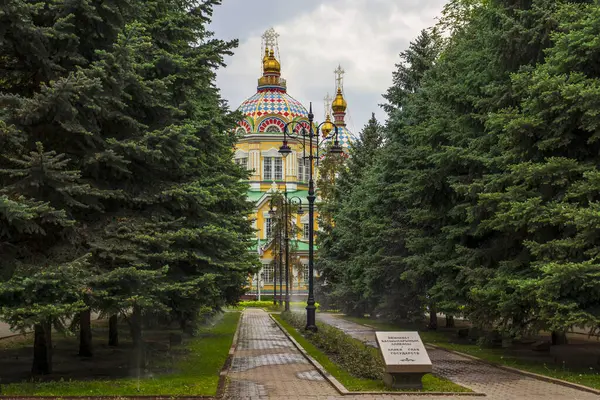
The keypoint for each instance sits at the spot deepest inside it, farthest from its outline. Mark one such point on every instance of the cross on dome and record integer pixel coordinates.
(270, 38)
(339, 77)
(327, 101)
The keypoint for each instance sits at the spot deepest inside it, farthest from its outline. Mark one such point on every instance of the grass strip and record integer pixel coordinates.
(431, 383)
(196, 373)
(587, 377)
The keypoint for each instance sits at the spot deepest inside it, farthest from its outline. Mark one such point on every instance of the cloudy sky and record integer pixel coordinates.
(364, 36)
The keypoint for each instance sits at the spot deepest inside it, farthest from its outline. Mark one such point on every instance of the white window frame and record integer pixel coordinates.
(267, 271)
(272, 168)
(303, 169)
(242, 162)
(305, 231)
(268, 227)
(305, 274)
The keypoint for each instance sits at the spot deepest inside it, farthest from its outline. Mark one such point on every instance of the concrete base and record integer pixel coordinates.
(409, 380)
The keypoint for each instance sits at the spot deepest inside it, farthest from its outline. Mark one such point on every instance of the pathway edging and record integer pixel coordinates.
(222, 385)
(338, 386)
(342, 389)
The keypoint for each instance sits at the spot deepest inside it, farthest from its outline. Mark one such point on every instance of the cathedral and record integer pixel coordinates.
(265, 115)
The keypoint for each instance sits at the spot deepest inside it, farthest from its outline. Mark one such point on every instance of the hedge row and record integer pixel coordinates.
(351, 354)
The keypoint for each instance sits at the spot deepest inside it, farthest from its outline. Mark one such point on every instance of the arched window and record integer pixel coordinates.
(273, 128)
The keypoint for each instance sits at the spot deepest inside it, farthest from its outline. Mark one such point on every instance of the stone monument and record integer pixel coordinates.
(405, 357)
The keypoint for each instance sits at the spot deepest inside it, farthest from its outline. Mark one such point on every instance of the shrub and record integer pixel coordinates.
(351, 354)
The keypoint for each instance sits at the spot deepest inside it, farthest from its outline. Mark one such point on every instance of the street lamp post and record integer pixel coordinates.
(285, 150)
(285, 210)
(280, 271)
(279, 265)
(288, 203)
(274, 283)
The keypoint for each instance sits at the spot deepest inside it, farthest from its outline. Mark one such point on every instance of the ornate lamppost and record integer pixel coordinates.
(286, 205)
(313, 138)
(279, 264)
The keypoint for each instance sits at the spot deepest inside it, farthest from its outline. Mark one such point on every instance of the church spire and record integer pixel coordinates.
(270, 64)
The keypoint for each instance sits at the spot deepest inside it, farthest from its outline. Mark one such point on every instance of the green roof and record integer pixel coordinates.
(254, 196)
(301, 245)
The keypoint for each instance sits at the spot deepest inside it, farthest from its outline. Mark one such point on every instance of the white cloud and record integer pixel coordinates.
(364, 36)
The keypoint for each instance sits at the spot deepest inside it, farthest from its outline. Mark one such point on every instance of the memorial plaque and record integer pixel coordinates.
(405, 357)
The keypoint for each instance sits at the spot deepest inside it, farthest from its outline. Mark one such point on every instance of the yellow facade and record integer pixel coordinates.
(267, 114)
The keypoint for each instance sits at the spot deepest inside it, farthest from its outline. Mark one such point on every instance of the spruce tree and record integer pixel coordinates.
(547, 192)
(341, 242)
(122, 94)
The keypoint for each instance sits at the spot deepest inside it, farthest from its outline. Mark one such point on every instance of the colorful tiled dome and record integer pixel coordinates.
(269, 110)
(344, 137)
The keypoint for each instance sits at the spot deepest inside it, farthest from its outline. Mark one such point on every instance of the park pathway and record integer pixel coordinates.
(267, 365)
(496, 383)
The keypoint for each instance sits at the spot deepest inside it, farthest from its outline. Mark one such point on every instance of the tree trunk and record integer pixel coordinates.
(432, 317)
(113, 330)
(559, 338)
(42, 349)
(136, 326)
(449, 321)
(85, 333)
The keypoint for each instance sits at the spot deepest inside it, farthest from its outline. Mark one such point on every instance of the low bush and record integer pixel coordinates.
(353, 355)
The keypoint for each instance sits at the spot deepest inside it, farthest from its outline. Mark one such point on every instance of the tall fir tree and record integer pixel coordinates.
(122, 94)
(341, 280)
(546, 192)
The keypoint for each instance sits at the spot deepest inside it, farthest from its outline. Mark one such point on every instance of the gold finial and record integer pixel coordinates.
(327, 127)
(339, 104)
(270, 63)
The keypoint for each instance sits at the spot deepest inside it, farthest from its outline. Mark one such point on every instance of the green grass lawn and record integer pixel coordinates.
(196, 373)
(586, 377)
(430, 383)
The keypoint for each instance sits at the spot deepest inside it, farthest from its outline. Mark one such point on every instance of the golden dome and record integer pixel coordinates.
(327, 127)
(339, 104)
(270, 63)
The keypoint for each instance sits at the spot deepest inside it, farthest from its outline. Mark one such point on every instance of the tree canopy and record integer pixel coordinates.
(117, 159)
(482, 199)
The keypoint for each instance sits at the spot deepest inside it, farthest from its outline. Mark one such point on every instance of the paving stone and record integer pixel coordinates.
(311, 375)
(267, 366)
(496, 383)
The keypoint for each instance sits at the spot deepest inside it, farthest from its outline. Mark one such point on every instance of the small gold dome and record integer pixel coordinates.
(339, 104)
(327, 127)
(270, 63)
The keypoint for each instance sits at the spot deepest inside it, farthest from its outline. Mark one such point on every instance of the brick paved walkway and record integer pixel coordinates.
(266, 365)
(496, 383)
